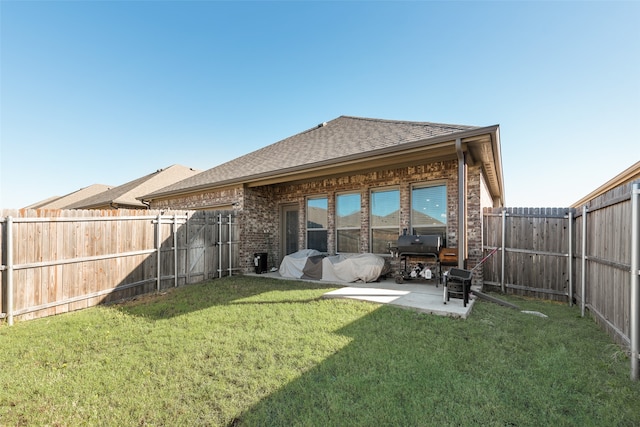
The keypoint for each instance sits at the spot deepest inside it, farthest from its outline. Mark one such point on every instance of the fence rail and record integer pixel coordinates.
(583, 256)
(534, 248)
(58, 261)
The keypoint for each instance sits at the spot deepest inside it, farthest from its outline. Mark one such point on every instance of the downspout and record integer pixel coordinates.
(462, 205)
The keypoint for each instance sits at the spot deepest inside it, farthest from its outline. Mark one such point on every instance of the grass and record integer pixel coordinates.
(261, 352)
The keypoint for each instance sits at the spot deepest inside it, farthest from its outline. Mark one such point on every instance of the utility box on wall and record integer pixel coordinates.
(260, 262)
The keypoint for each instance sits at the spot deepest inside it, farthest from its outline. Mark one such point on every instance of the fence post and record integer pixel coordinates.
(570, 256)
(230, 246)
(504, 251)
(584, 260)
(187, 260)
(219, 245)
(9, 276)
(159, 246)
(175, 251)
(635, 280)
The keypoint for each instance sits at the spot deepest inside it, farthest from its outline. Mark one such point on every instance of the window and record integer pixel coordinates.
(385, 220)
(348, 223)
(317, 222)
(429, 210)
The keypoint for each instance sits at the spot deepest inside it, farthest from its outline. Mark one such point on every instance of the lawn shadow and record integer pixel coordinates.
(393, 372)
(224, 291)
(406, 368)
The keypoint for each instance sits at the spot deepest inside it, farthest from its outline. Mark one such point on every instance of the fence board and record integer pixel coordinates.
(68, 260)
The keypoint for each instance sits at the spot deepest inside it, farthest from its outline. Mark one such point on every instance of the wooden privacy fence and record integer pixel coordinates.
(59, 261)
(535, 251)
(603, 268)
(588, 256)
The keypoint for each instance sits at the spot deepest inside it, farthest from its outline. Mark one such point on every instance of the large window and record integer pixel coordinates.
(348, 222)
(384, 220)
(429, 209)
(317, 223)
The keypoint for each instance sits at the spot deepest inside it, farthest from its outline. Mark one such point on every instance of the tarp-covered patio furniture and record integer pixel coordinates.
(311, 264)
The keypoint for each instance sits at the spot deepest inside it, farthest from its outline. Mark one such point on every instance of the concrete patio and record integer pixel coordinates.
(423, 296)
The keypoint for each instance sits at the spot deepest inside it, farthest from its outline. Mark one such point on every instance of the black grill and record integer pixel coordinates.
(419, 245)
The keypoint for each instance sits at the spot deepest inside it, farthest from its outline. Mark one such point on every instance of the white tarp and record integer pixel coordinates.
(293, 265)
(309, 264)
(351, 268)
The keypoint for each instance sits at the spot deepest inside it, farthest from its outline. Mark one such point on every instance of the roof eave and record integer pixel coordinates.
(431, 143)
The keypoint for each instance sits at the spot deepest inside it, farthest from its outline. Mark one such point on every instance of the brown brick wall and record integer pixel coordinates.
(258, 227)
(474, 220)
(204, 200)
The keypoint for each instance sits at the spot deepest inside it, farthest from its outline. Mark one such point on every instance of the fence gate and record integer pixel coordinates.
(535, 251)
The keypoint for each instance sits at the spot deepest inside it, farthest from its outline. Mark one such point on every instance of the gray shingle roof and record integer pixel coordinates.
(330, 141)
(62, 202)
(126, 194)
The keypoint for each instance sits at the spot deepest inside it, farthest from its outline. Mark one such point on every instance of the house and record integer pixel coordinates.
(62, 202)
(353, 185)
(126, 195)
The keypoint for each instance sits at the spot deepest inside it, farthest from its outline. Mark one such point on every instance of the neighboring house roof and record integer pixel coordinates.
(344, 140)
(62, 202)
(41, 203)
(126, 195)
(628, 175)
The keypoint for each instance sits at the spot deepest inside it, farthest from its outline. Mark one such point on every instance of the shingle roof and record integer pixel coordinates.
(329, 141)
(42, 203)
(126, 194)
(62, 202)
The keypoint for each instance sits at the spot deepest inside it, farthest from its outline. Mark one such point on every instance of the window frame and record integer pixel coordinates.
(395, 227)
(438, 228)
(324, 229)
(338, 228)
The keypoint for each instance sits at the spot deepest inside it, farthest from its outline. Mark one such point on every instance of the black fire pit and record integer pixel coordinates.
(457, 283)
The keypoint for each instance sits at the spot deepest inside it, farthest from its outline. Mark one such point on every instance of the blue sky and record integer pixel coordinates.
(108, 91)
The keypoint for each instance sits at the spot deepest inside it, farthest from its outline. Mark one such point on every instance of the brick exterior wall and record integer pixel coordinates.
(204, 200)
(474, 221)
(259, 208)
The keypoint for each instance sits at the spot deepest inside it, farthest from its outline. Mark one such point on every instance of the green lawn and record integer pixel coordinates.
(255, 351)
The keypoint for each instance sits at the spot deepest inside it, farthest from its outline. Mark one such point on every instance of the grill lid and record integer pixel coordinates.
(427, 244)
